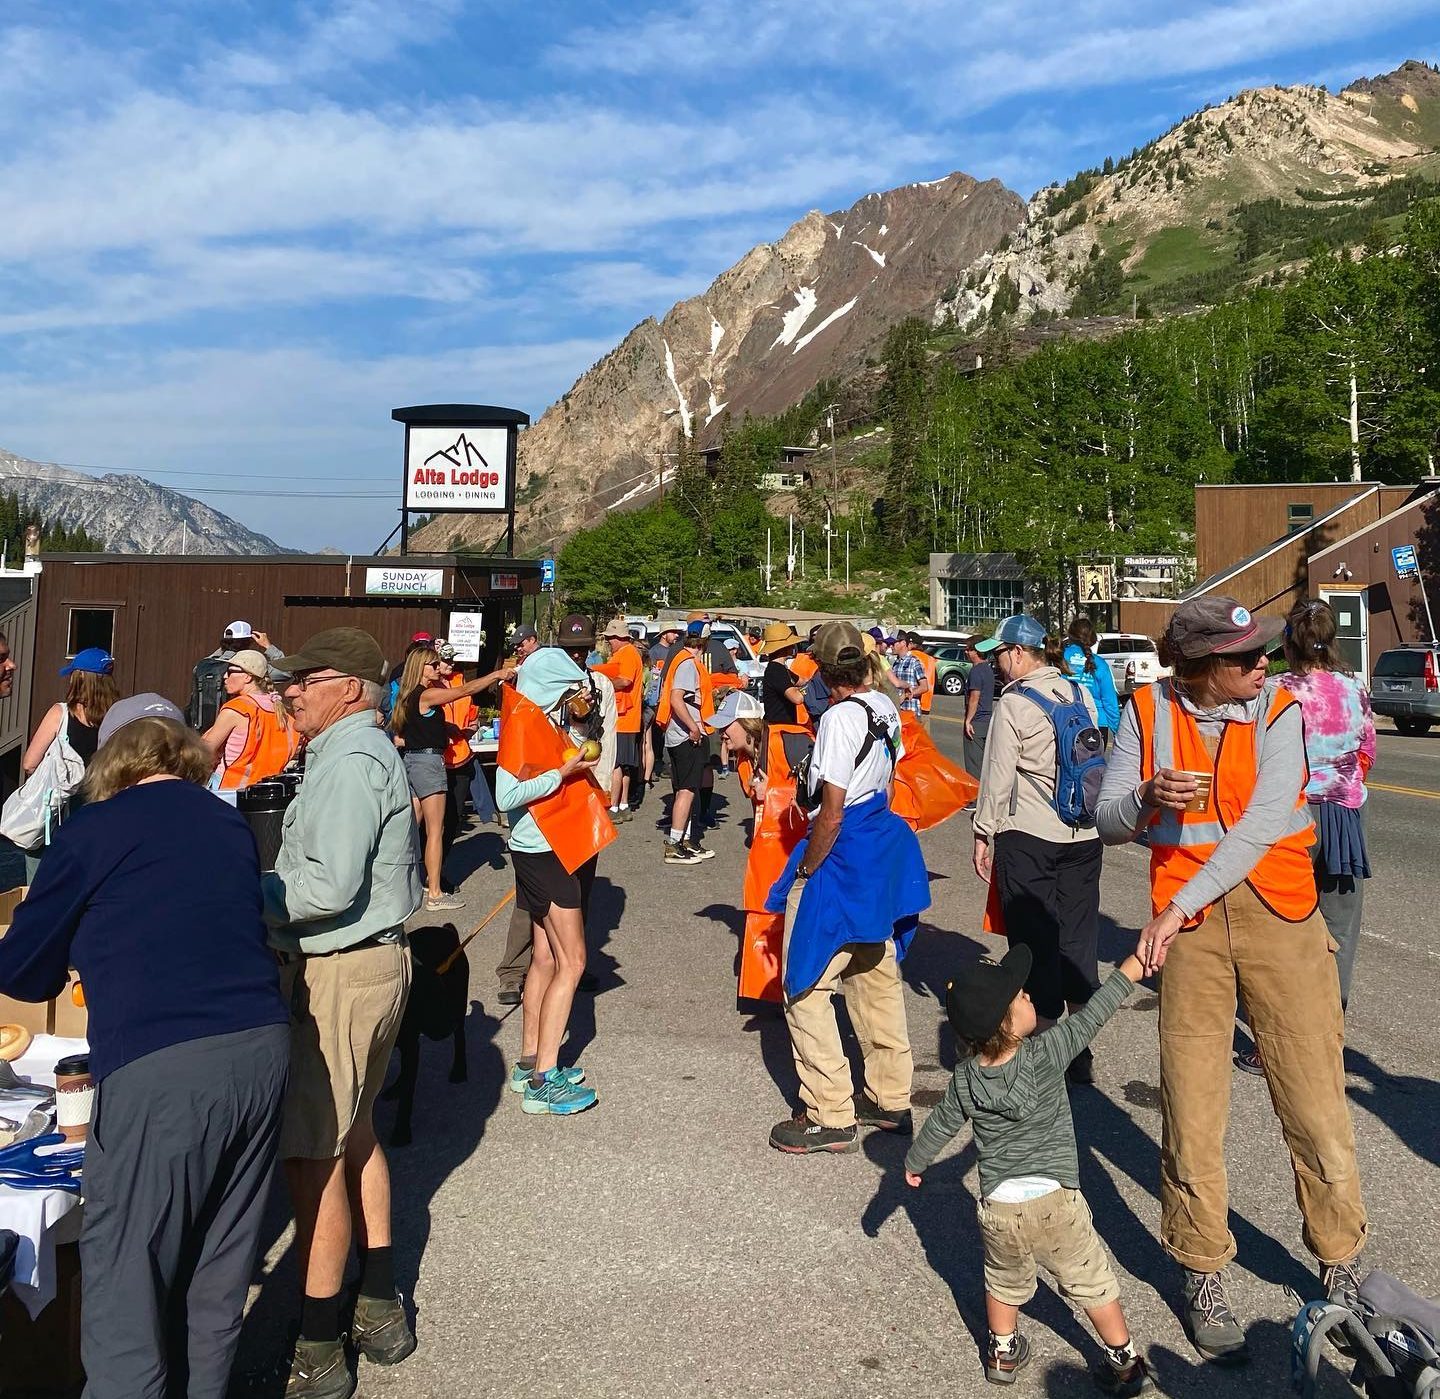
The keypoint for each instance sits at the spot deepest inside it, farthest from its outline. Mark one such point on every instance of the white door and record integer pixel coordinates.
(1352, 629)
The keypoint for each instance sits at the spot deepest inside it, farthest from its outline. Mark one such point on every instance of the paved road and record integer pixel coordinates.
(657, 1246)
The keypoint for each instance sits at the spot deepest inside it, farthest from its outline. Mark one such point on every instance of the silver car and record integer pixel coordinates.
(1405, 688)
(1134, 660)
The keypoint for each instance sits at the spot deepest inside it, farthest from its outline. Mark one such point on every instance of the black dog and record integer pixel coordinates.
(436, 1009)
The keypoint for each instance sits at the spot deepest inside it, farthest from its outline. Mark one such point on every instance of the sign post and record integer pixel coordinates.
(459, 459)
(1407, 565)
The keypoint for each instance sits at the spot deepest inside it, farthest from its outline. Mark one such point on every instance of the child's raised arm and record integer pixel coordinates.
(1064, 1040)
(943, 1123)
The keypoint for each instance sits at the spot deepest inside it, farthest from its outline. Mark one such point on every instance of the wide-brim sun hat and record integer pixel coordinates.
(777, 637)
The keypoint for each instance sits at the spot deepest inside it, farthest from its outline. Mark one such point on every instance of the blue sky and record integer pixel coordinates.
(233, 237)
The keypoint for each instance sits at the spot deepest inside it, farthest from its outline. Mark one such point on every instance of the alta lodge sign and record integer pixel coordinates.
(457, 468)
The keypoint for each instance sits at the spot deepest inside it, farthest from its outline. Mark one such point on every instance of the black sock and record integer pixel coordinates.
(320, 1318)
(377, 1273)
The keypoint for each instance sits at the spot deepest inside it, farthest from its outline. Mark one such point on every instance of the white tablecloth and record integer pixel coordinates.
(42, 1218)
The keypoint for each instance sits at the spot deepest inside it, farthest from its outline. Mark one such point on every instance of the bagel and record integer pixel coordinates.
(14, 1041)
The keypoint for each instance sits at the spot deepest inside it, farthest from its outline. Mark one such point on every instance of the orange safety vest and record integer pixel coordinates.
(705, 694)
(625, 664)
(573, 819)
(720, 679)
(927, 664)
(267, 748)
(458, 714)
(803, 668)
(1182, 841)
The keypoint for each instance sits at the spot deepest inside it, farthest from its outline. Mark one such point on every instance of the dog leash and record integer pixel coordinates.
(472, 935)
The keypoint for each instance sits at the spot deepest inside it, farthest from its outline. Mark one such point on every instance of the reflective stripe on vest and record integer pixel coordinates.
(1181, 841)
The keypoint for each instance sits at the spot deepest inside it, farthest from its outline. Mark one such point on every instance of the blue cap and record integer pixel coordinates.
(94, 660)
(1020, 630)
(695, 629)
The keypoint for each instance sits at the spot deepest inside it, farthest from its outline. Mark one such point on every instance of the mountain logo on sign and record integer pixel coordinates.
(466, 463)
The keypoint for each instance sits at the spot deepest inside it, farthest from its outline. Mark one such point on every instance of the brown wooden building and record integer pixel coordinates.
(159, 614)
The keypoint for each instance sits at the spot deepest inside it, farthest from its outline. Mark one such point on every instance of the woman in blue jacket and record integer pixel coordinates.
(1082, 664)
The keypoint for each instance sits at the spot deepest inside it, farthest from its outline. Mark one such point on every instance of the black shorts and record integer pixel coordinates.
(627, 750)
(541, 880)
(687, 765)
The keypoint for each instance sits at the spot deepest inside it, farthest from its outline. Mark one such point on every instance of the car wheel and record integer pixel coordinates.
(953, 684)
(1411, 727)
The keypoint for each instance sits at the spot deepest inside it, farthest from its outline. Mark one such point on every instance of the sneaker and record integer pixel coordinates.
(445, 903)
(1133, 1378)
(678, 853)
(381, 1330)
(556, 1094)
(320, 1371)
(799, 1136)
(1250, 1063)
(698, 851)
(869, 1113)
(1002, 1366)
(1082, 1068)
(621, 815)
(1209, 1322)
(509, 996)
(1341, 1282)
(520, 1076)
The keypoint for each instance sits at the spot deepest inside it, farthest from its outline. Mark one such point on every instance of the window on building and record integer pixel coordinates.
(91, 626)
(1299, 515)
(971, 601)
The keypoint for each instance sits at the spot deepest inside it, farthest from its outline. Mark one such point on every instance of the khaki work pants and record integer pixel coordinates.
(1287, 976)
(868, 976)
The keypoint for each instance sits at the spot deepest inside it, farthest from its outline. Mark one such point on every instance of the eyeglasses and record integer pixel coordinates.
(305, 681)
(1246, 660)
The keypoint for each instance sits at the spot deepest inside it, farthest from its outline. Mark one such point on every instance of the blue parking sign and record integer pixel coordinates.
(547, 574)
(1407, 565)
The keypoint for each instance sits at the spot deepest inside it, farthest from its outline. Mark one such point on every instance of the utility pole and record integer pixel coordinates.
(802, 551)
(828, 533)
(767, 558)
(847, 560)
(830, 411)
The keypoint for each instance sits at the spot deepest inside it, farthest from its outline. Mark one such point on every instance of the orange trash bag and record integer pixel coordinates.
(929, 788)
(573, 819)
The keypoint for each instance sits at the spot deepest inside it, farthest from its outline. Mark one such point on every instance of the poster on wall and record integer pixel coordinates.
(457, 468)
(466, 635)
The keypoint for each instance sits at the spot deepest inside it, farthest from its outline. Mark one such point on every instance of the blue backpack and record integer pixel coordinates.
(1079, 755)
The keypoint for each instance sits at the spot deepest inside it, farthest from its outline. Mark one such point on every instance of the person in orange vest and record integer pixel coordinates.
(462, 767)
(927, 664)
(686, 702)
(1209, 768)
(626, 672)
(722, 674)
(252, 737)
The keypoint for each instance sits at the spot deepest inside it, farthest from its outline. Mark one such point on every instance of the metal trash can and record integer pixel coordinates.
(263, 806)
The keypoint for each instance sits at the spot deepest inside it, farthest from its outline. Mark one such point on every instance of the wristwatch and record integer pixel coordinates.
(801, 872)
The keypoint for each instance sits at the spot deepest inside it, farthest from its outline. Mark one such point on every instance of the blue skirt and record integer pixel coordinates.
(1342, 840)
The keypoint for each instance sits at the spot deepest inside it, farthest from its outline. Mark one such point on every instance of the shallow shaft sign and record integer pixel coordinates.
(449, 468)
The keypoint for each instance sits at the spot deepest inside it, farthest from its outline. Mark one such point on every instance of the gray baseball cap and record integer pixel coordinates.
(127, 711)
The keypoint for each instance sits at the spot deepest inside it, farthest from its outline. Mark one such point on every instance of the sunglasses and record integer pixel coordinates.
(1246, 660)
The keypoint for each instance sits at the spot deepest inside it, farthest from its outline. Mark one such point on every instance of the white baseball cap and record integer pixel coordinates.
(239, 631)
(738, 704)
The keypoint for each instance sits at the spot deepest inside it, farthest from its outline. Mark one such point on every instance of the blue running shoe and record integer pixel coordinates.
(554, 1093)
(520, 1076)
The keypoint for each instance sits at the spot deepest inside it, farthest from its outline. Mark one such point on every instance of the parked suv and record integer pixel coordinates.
(1406, 687)
(1134, 660)
(951, 668)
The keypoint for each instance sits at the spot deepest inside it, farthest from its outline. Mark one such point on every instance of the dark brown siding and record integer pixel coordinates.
(1233, 522)
(170, 612)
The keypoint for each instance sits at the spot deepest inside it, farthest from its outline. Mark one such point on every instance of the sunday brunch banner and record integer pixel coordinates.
(449, 468)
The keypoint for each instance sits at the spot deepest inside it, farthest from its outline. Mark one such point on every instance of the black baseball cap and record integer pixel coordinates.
(978, 1001)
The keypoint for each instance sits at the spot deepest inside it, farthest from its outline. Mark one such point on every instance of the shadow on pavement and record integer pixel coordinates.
(482, 848)
(1408, 1106)
(607, 907)
(450, 1121)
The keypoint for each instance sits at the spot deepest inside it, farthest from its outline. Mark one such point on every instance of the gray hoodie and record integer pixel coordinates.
(1019, 1110)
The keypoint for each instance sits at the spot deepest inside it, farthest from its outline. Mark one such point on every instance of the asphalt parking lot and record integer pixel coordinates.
(657, 1246)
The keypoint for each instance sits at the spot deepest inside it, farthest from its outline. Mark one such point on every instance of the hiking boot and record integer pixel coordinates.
(1082, 1068)
(1209, 1322)
(799, 1136)
(868, 1113)
(520, 1076)
(320, 1371)
(1130, 1379)
(381, 1330)
(1341, 1282)
(556, 1094)
(1251, 1063)
(678, 853)
(1002, 1366)
(697, 851)
(509, 996)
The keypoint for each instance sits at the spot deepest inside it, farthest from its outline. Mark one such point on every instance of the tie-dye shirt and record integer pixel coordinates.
(1338, 729)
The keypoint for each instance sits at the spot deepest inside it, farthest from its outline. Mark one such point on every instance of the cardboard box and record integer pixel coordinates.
(58, 1017)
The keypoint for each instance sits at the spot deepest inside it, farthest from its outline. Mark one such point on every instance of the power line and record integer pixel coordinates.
(110, 487)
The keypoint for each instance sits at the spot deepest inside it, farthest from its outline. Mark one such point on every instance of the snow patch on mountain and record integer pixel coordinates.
(879, 257)
(675, 384)
(717, 333)
(829, 320)
(796, 316)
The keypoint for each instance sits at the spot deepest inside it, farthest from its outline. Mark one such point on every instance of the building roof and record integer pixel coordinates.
(997, 567)
(461, 415)
(1417, 499)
